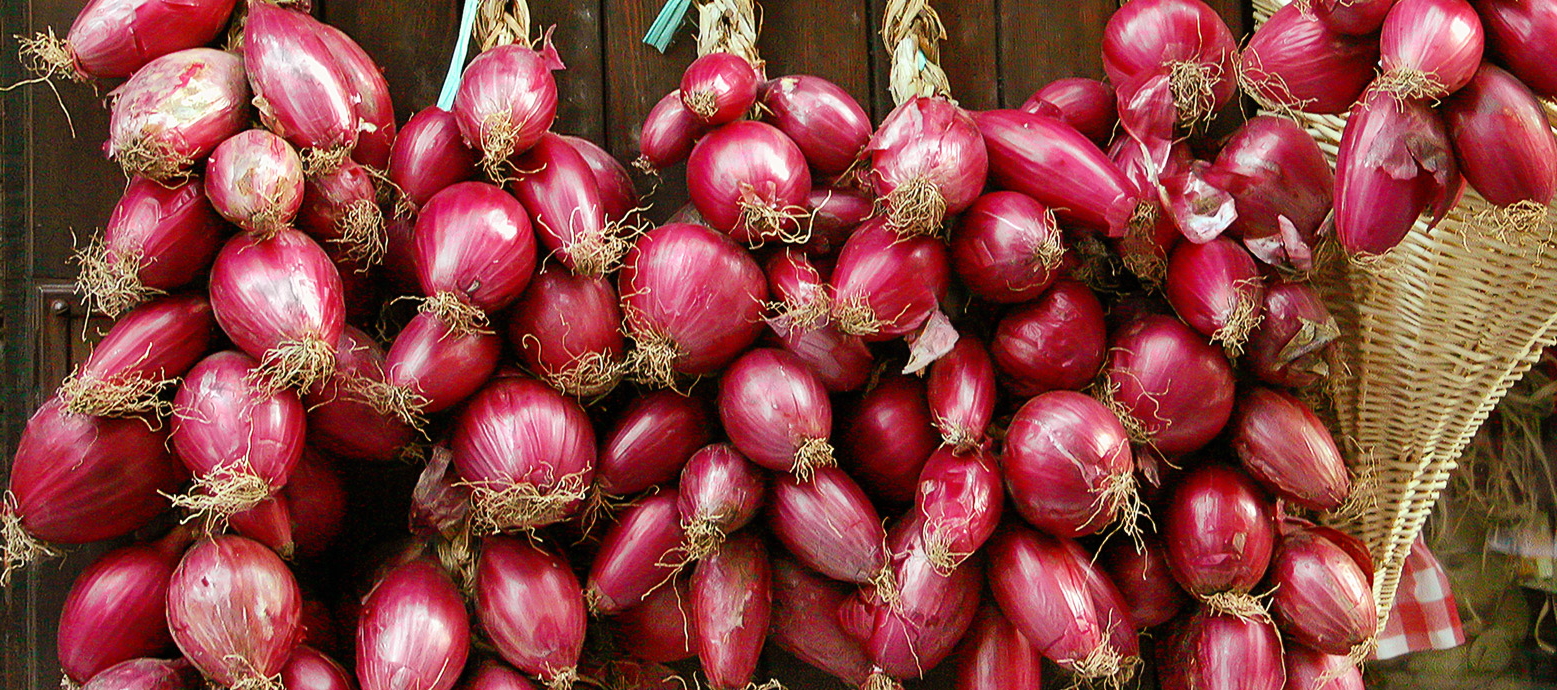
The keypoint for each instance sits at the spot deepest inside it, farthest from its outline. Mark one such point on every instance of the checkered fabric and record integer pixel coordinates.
(1424, 616)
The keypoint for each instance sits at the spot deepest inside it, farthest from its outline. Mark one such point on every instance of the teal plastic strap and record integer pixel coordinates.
(669, 21)
(451, 81)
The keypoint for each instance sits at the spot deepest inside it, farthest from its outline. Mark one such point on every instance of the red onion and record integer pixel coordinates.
(651, 441)
(617, 193)
(1295, 61)
(342, 424)
(1322, 598)
(78, 479)
(660, 628)
(1519, 34)
(234, 610)
(1140, 570)
(822, 119)
(914, 634)
(1216, 288)
(995, 655)
(961, 393)
(255, 180)
(528, 453)
(113, 39)
(475, 253)
(1068, 466)
(1211, 651)
(506, 101)
(1291, 346)
(749, 180)
(1504, 144)
(1394, 161)
(887, 285)
(147, 674)
(375, 110)
(316, 499)
(1086, 104)
(413, 632)
(280, 300)
(1172, 389)
(830, 526)
(175, 110)
(1282, 185)
(431, 367)
(1006, 248)
(835, 213)
(959, 499)
(341, 210)
(143, 354)
(567, 331)
(805, 622)
(1219, 536)
(927, 162)
(842, 362)
(801, 295)
(440, 503)
(1311, 670)
(731, 603)
(718, 88)
(308, 669)
(639, 554)
(1429, 48)
(300, 89)
(887, 435)
(669, 131)
(530, 605)
(495, 675)
(1065, 607)
(270, 523)
(777, 412)
(241, 441)
(693, 301)
(557, 187)
(1054, 343)
(117, 608)
(1286, 448)
(428, 156)
(1183, 39)
(158, 238)
(1352, 17)
(1057, 166)
(721, 491)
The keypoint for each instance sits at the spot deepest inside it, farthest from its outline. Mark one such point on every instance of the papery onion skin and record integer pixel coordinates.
(732, 603)
(1285, 447)
(885, 285)
(1292, 344)
(1519, 35)
(660, 629)
(1173, 389)
(918, 631)
(567, 331)
(822, 119)
(694, 296)
(112, 39)
(507, 99)
(495, 675)
(529, 602)
(828, 524)
(1217, 289)
(309, 669)
(555, 184)
(235, 611)
(1394, 162)
(144, 352)
(749, 180)
(1140, 571)
(651, 441)
(1185, 39)
(413, 632)
(1055, 343)
(159, 237)
(301, 91)
(255, 180)
(117, 608)
(886, 436)
(1322, 598)
(961, 391)
(147, 674)
(719, 87)
(342, 424)
(1086, 104)
(1006, 248)
(1282, 186)
(638, 554)
(805, 622)
(227, 427)
(928, 161)
(1211, 651)
(1429, 48)
(154, 131)
(1294, 61)
(1311, 670)
(1067, 464)
(669, 132)
(375, 111)
(428, 156)
(474, 242)
(777, 412)
(1502, 139)
(960, 500)
(1218, 531)
(1058, 167)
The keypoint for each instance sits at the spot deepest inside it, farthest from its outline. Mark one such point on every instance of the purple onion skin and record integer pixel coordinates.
(1142, 576)
(886, 435)
(1311, 670)
(1176, 384)
(1211, 651)
(1322, 598)
(629, 564)
(495, 675)
(826, 122)
(1520, 35)
(1006, 248)
(806, 624)
(234, 610)
(916, 634)
(651, 442)
(1292, 344)
(1055, 343)
(308, 669)
(1086, 104)
(719, 486)
(772, 406)
(732, 602)
(1296, 61)
(147, 674)
(1281, 183)
(529, 602)
(1502, 139)
(995, 655)
(1286, 447)
(1357, 17)
(1062, 451)
(117, 608)
(413, 632)
(1219, 531)
(1395, 161)
(660, 629)
(828, 524)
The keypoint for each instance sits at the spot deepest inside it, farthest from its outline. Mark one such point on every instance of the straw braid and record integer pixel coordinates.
(502, 22)
(729, 26)
(913, 32)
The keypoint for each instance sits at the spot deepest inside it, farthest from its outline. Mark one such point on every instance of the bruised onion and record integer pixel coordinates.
(413, 632)
(430, 367)
(530, 605)
(255, 180)
(1504, 144)
(1395, 160)
(301, 91)
(567, 330)
(732, 604)
(1219, 535)
(555, 184)
(175, 111)
(1060, 168)
(507, 99)
(1214, 651)
(887, 285)
(749, 180)
(927, 161)
(1068, 466)
(777, 412)
(669, 131)
(1007, 248)
(651, 441)
(234, 609)
(1285, 447)
(113, 39)
(280, 300)
(143, 354)
(822, 119)
(1294, 61)
(721, 492)
(805, 622)
(428, 156)
(1291, 345)
(959, 500)
(1054, 343)
(1086, 104)
(830, 526)
(639, 554)
(117, 608)
(1429, 48)
(1282, 185)
(159, 237)
(475, 253)
(1216, 288)
(886, 436)
(1171, 388)
(719, 87)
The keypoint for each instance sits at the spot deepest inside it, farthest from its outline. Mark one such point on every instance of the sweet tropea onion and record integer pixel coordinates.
(175, 111)
(147, 674)
(1323, 599)
(886, 285)
(309, 669)
(651, 441)
(1291, 346)
(413, 632)
(300, 89)
(112, 39)
(961, 393)
(822, 119)
(1395, 161)
(1216, 288)
(558, 188)
(959, 500)
(1171, 388)
(913, 634)
(1086, 104)
(927, 162)
(719, 87)
(639, 554)
(1283, 188)
(507, 99)
(255, 180)
(430, 367)
(1140, 570)
(1214, 651)
(1505, 145)
(475, 253)
(1185, 40)
(1518, 35)
(996, 656)
(1295, 62)
(375, 110)
(805, 622)
(1056, 342)
(1007, 248)
(159, 237)
(617, 192)
(669, 132)
(235, 612)
(144, 353)
(1219, 534)
(777, 412)
(749, 180)
(339, 422)
(1311, 670)
(428, 156)
(529, 603)
(831, 527)
(1068, 466)
(280, 300)
(886, 436)
(1285, 447)
(1352, 17)
(732, 604)
(117, 607)
(1429, 48)
(341, 209)
(1057, 166)
(721, 492)
(567, 330)
(659, 629)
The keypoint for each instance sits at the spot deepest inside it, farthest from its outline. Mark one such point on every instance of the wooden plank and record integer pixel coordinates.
(1044, 41)
(636, 77)
(410, 39)
(581, 87)
(826, 38)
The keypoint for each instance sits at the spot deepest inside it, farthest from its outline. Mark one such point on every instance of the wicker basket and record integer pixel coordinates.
(1433, 336)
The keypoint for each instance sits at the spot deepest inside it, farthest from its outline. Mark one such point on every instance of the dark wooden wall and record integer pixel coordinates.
(56, 188)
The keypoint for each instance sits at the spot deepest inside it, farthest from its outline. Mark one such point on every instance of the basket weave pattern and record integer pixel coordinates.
(1433, 334)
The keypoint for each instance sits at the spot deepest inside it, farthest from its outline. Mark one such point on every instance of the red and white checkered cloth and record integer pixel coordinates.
(1425, 616)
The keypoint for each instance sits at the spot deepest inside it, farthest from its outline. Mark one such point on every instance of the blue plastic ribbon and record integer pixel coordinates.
(451, 81)
(670, 19)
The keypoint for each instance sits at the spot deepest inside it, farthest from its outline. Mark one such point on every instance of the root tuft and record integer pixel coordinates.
(1104, 664)
(116, 396)
(1105, 393)
(1121, 495)
(879, 680)
(1410, 85)
(18, 547)
(961, 440)
(297, 364)
(498, 139)
(807, 313)
(110, 281)
(49, 56)
(396, 402)
(153, 158)
(703, 104)
(459, 316)
(653, 360)
(318, 162)
(522, 505)
(597, 253)
(1139, 251)
(856, 317)
(1518, 223)
(812, 454)
(916, 207)
(563, 679)
(704, 537)
(765, 222)
(940, 554)
(1243, 605)
(884, 582)
(229, 490)
(1193, 85)
(362, 240)
(589, 375)
(1244, 317)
